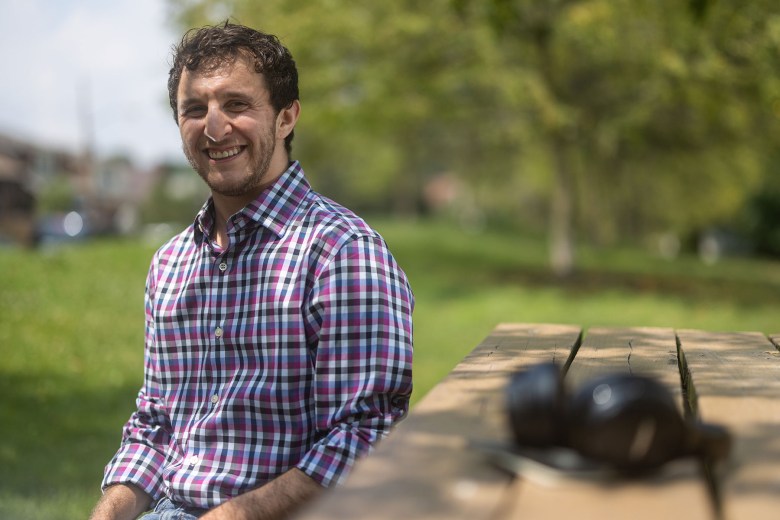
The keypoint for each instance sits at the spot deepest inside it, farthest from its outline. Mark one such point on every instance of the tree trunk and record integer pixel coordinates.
(561, 239)
(561, 232)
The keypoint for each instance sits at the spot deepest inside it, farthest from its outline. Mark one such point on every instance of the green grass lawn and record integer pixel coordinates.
(71, 332)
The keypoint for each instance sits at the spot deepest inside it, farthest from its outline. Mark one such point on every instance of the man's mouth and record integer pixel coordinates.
(224, 154)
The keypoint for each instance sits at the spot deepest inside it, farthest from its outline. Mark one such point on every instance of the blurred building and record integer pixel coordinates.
(17, 203)
(53, 195)
(23, 167)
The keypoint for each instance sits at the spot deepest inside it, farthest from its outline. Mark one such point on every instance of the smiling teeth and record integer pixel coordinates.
(225, 153)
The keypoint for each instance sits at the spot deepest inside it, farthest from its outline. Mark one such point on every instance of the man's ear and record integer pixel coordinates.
(286, 119)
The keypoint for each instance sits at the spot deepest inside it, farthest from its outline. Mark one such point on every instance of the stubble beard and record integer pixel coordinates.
(258, 171)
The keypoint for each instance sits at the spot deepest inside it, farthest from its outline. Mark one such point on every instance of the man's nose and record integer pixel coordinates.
(217, 125)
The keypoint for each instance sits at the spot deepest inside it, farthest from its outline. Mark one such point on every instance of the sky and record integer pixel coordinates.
(89, 71)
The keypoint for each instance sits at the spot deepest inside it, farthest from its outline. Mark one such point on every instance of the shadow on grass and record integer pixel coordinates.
(58, 434)
(474, 269)
(741, 292)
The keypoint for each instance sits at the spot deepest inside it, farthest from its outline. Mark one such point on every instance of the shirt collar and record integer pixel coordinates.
(272, 209)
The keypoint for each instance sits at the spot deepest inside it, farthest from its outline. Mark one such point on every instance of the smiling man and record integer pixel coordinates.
(278, 342)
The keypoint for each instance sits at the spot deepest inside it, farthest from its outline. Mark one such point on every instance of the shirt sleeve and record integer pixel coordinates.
(146, 434)
(361, 315)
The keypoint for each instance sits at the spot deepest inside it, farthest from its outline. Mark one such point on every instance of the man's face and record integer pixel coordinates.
(229, 129)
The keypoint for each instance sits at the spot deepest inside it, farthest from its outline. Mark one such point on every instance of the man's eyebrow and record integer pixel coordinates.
(228, 94)
(186, 102)
(232, 94)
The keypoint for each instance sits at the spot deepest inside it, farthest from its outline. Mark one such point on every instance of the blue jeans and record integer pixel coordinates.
(167, 510)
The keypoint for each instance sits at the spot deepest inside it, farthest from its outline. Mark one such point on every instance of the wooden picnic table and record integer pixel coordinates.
(431, 466)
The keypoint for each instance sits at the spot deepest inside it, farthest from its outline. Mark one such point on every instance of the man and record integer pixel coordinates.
(278, 326)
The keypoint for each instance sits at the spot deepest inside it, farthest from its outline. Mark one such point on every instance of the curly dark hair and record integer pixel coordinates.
(210, 47)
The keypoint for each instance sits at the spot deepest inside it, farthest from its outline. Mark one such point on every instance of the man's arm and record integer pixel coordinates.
(275, 500)
(121, 502)
(131, 480)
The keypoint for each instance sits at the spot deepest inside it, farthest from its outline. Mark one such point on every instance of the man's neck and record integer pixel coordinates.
(226, 206)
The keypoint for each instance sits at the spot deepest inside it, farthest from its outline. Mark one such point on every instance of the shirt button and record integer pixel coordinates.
(193, 460)
(223, 266)
(218, 332)
(214, 399)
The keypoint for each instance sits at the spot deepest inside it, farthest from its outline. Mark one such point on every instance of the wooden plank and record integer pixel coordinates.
(640, 350)
(737, 383)
(678, 489)
(426, 467)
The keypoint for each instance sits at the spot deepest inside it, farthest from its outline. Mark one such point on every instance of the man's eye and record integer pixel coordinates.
(194, 111)
(237, 106)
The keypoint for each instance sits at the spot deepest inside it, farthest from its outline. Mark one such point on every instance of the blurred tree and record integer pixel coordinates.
(649, 108)
(632, 117)
(378, 84)
(57, 195)
(760, 221)
(177, 196)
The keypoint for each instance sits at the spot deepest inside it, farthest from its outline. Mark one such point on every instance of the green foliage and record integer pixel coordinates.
(176, 198)
(761, 219)
(386, 99)
(56, 196)
(71, 334)
(653, 115)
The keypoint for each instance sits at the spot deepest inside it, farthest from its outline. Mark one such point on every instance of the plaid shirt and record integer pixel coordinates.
(290, 348)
